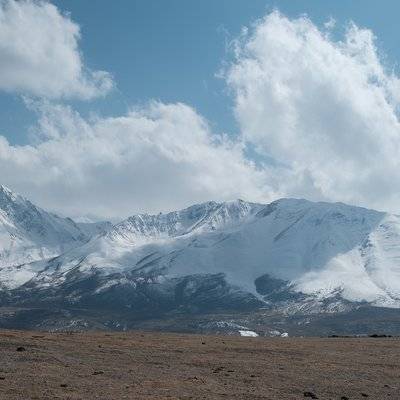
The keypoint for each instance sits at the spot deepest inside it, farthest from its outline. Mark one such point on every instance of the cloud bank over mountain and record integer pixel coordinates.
(321, 110)
(150, 159)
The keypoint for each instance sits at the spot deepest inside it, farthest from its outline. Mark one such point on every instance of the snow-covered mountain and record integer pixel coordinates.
(28, 233)
(295, 254)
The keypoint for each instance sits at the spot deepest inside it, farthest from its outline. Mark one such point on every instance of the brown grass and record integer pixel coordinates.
(171, 366)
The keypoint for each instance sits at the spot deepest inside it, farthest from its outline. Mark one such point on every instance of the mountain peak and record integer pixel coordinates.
(12, 202)
(29, 233)
(6, 192)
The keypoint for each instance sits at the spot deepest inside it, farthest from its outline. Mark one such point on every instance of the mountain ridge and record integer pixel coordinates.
(293, 256)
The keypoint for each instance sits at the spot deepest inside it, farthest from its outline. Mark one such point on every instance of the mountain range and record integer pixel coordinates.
(289, 267)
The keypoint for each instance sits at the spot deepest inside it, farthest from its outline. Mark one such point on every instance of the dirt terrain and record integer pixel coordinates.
(138, 365)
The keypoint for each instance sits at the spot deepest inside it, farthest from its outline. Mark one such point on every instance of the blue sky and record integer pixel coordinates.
(108, 109)
(171, 50)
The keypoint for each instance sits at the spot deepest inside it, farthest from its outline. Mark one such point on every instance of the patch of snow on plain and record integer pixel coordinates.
(248, 333)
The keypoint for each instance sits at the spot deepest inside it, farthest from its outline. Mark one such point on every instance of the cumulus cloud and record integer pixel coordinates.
(39, 53)
(159, 157)
(325, 110)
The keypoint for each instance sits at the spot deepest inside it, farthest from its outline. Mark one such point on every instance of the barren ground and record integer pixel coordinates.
(141, 365)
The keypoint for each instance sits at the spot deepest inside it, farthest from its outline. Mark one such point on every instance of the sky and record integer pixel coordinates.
(110, 109)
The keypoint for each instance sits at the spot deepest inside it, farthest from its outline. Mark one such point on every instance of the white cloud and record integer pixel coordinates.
(159, 157)
(325, 110)
(40, 55)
